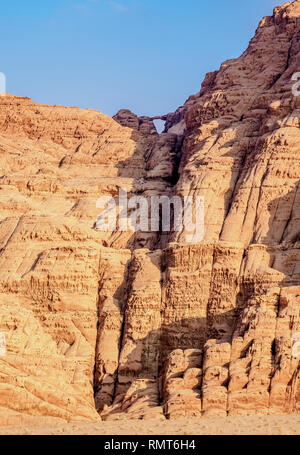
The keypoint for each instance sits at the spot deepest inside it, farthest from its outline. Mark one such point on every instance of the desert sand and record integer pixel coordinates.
(251, 425)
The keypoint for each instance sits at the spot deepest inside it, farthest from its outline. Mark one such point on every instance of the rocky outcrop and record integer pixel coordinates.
(146, 325)
(241, 152)
(143, 124)
(55, 163)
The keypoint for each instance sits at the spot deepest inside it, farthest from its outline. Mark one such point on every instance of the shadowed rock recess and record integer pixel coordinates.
(146, 325)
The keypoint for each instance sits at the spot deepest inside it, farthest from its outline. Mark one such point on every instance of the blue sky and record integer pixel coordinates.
(145, 55)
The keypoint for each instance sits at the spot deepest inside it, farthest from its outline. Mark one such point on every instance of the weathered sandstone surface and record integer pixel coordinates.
(145, 325)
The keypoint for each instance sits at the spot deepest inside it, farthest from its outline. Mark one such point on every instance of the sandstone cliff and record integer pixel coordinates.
(146, 325)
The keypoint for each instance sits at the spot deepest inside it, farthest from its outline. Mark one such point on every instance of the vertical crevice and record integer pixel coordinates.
(122, 331)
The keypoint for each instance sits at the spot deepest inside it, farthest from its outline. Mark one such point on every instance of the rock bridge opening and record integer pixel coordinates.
(159, 125)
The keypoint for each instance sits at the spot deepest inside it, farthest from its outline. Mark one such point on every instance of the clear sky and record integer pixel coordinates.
(145, 55)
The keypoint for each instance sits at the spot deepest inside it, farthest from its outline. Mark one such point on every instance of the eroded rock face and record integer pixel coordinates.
(55, 163)
(145, 325)
(241, 152)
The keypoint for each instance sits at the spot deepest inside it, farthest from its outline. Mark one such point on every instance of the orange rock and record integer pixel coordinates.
(145, 325)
